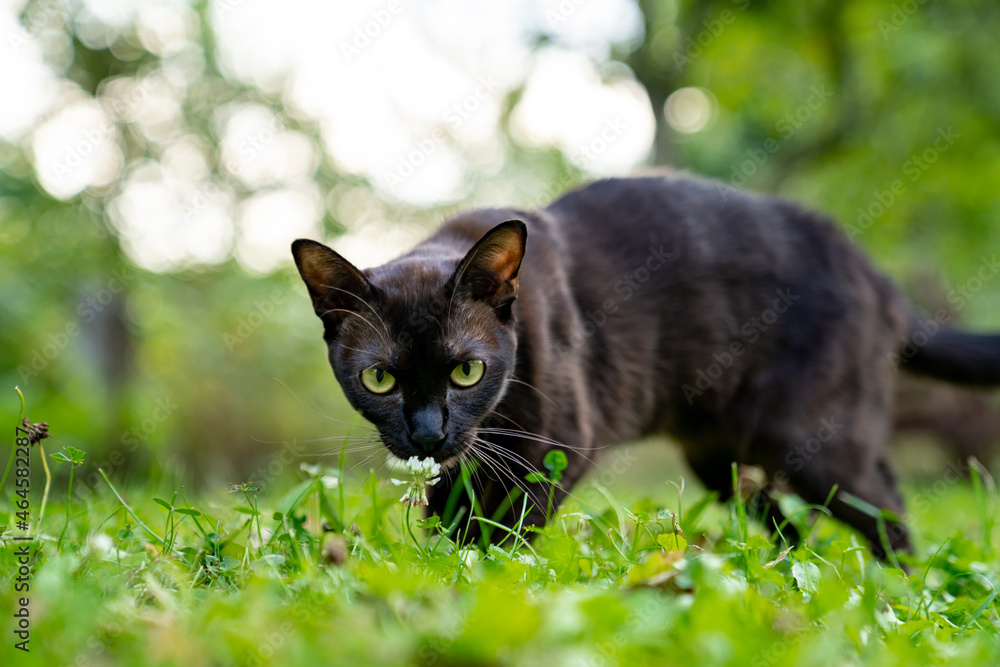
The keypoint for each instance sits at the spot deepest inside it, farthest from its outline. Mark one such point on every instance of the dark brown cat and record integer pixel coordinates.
(746, 327)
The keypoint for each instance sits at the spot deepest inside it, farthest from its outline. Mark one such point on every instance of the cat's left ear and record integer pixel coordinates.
(490, 270)
(336, 287)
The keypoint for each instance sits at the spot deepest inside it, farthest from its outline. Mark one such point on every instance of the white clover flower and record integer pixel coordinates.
(99, 544)
(469, 557)
(424, 472)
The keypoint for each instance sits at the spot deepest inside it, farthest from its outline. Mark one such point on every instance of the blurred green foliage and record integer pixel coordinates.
(209, 369)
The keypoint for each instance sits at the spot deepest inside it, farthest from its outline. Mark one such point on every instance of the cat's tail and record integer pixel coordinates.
(951, 355)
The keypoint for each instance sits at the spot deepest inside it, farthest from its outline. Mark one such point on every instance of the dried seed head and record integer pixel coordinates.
(36, 432)
(334, 550)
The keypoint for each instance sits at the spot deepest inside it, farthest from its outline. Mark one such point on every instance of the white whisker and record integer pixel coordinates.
(360, 317)
(531, 386)
(502, 474)
(370, 307)
(316, 409)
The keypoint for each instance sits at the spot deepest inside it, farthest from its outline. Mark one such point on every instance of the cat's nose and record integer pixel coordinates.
(428, 428)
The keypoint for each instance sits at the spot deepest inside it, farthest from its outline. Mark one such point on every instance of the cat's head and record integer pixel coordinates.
(424, 345)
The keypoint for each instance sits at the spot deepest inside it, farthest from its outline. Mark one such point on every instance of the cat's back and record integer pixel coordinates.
(648, 234)
(705, 224)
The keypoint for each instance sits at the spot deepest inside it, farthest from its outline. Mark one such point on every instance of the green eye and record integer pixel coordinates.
(468, 373)
(377, 380)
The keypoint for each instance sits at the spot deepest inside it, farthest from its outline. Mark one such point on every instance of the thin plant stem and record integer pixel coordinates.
(10, 461)
(159, 540)
(48, 484)
(409, 530)
(552, 490)
(69, 497)
(376, 519)
(253, 505)
(340, 485)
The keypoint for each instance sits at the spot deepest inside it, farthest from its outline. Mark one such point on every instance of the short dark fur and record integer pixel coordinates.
(743, 326)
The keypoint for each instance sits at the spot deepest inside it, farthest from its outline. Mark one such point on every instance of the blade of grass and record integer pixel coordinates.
(253, 505)
(507, 503)
(159, 540)
(454, 495)
(923, 581)
(477, 513)
(48, 485)
(826, 510)
(510, 532)
(982, 608)
(740, 506)
(341, 501)
(984, 489)
(69, 498)
(376, 517)
(20, 421)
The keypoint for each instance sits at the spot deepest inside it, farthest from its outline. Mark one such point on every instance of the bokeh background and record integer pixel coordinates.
(157, 158)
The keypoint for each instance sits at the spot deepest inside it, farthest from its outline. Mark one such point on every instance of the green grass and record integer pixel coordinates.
(331, 568)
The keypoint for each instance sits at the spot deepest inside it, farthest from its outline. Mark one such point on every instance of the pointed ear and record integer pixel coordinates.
(336, 287)
(490, 270)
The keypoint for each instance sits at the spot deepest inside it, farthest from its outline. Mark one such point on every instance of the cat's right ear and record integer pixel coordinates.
(336, 287)
(490, 269)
